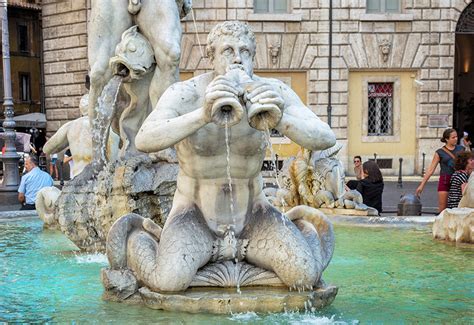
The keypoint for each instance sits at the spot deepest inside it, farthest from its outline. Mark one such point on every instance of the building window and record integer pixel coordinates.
(271, 6)
(383, 6)
(380, 109)
(22, 38)
(25, 89)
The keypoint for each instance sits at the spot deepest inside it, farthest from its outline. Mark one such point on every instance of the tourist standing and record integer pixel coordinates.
(31, 182)
(464, 164)
(445, 158)
(371, 185)
(53, 167)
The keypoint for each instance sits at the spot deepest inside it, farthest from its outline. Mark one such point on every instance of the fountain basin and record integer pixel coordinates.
(384, 275)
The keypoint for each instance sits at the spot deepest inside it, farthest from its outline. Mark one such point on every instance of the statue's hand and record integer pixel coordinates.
(263, 93)
(220, 88)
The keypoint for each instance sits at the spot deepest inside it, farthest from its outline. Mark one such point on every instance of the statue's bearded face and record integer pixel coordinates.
(231, 51)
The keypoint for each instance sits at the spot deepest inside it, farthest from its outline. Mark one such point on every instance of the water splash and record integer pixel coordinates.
(97, 258)
(244, 317)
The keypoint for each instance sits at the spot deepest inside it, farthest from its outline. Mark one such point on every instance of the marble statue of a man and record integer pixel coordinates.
(77, 136)
(158, 21)
(219, 209)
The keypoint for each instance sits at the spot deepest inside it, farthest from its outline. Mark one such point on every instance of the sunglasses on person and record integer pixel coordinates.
(356, 161)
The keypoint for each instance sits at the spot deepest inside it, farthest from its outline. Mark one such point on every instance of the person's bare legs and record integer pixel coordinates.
(442, 201)
(109, 19)
(159, 22)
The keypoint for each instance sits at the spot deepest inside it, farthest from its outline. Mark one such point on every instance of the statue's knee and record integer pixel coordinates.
(98, 73)
(172, 55)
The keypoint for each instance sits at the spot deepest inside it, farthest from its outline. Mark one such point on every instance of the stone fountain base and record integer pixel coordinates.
(370, 212)
(455, 225)
(228, 300)
(86, 209)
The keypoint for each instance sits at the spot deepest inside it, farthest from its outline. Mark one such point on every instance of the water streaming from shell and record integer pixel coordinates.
(229, 179)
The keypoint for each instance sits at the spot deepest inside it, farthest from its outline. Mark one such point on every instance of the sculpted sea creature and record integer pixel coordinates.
(135, 62)
(315, 179)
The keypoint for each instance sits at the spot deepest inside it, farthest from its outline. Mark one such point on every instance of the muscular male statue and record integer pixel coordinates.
(77, 136)
(158, 21)
(207, 207)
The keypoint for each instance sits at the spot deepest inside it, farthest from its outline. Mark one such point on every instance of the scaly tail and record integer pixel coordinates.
(117, 237)
(323, 227)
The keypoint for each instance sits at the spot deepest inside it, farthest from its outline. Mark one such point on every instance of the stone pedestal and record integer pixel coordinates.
(228, 300)
(455, 225)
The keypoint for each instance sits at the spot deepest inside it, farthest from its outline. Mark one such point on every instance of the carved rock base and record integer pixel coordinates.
(228, 300)
(455, 225)
(86, 210)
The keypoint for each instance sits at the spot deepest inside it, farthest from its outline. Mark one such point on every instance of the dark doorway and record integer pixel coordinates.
(463, 100)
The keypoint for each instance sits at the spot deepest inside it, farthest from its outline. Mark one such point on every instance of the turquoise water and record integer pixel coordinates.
(385, 275)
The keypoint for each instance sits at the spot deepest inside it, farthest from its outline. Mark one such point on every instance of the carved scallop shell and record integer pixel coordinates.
(230, 274)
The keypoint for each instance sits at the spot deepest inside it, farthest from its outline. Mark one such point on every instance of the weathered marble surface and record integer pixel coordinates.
(134, 61)
(227, 301)
(458, 224)
(46, 206)
(220, 221)
(159, 22)
(316, 179)
(455, 225)
(77, 135)
(85, 211)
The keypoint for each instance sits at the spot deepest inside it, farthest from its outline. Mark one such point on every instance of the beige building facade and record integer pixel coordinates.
(398, 68)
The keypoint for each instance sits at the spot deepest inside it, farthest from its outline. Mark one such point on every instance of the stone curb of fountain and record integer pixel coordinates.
(384, 221)
(10, 215)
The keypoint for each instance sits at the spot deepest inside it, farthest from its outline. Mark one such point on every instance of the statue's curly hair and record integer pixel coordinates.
(231, 28)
